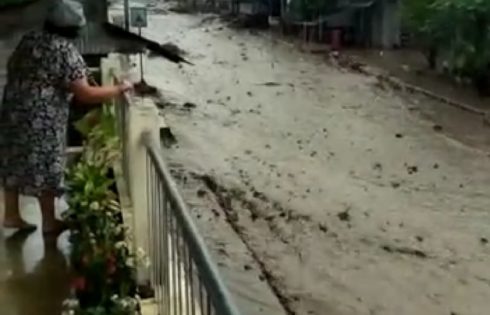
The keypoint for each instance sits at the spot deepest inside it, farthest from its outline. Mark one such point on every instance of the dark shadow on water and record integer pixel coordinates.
(32, 281)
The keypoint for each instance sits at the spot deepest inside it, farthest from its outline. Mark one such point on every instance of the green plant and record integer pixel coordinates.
(458, 30)
(462, 28)
(103, 263)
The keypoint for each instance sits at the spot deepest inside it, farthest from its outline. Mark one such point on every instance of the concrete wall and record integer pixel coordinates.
(141, 116)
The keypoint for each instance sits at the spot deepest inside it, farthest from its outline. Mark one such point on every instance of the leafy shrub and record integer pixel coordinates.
(456, 30)
(103, 264)
(461, 28)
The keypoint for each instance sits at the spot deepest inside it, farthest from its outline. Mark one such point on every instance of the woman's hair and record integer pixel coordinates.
(70, 32)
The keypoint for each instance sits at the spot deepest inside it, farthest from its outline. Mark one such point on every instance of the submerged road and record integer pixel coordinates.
(333, 192)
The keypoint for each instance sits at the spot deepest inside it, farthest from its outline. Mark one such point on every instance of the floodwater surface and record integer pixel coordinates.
(334, 192)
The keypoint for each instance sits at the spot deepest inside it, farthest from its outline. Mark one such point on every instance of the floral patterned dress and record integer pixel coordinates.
(34, 113)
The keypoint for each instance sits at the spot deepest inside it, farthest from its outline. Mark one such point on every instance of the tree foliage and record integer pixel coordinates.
(462, 29)
(458, 29)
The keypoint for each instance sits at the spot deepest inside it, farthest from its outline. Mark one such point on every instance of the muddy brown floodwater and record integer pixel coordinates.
(319, 190)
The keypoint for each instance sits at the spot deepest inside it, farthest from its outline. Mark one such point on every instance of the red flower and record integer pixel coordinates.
(78, 283)
(111, 264)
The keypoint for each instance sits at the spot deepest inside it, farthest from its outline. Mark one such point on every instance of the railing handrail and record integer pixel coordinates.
(207, 269)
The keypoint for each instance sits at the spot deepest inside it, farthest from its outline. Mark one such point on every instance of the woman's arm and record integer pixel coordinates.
(87, 94)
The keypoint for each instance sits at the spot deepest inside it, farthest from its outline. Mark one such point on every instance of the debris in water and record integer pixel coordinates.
(412, 169)
(144, 89)
(484, 240)
(377, 166)
(436, 166)
(404, 250)
(395, 184)
(399, 135)
(419, 238)
(215, 212)
(247, 267)
(270, 84)
(167, 137)
(162, 103)
(323, 227)
(201, 193)
(259, 195)
(437, 128)
(249, 93)
(344, 215)
(189, 105)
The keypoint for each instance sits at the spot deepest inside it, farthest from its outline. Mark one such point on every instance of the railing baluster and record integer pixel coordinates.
(149, 188)
(208, 304)
(187, 279)
(191, 286)
(174, 265)
(179, 270)
(201, 298)
(183, 277)
(166, 258)
(158, 267)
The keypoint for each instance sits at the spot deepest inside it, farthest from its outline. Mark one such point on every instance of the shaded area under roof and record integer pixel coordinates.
(94, 40)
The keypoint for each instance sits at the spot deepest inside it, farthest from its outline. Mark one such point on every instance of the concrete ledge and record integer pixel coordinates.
(149, 307)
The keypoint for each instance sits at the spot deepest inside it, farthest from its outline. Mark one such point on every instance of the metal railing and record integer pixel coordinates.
(184, 278)
(183, 275)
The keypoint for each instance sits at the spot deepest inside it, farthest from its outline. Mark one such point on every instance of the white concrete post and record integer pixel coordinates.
(142, 117)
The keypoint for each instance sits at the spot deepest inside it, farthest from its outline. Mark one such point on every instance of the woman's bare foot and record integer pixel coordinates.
(56, 227)
(19, 224)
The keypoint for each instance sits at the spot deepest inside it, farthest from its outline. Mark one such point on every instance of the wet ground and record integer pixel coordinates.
(33, 269)
(320, 190)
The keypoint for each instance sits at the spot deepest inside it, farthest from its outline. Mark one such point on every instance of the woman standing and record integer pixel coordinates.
(43, 75)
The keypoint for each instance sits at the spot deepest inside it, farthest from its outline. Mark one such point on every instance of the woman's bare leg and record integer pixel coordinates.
(50, 223)
(12, 212)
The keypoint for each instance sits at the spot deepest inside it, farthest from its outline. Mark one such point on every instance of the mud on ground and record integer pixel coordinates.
(340, 195)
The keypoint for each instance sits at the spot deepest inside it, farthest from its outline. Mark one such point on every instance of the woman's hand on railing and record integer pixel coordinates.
(125, 86)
